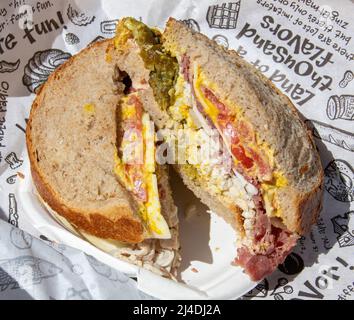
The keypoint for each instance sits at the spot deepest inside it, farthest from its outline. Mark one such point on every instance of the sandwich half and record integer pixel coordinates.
(81, 136)
(261, 171)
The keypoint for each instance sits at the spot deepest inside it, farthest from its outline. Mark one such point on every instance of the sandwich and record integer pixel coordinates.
(263, 173)
(81, 134)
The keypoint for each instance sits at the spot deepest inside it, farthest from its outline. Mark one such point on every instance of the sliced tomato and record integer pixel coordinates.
(263, 167)
(223, 120)
(237, 135)
(239, 152)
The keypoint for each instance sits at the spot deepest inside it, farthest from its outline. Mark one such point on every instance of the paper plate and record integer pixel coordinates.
(208, 247)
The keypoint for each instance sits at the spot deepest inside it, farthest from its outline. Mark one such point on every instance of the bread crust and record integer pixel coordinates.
(119, 222)
(125, 228)
(262, 103)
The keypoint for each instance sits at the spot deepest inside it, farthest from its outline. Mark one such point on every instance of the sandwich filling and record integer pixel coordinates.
(135, 164)
(243, 175)
(267, 241)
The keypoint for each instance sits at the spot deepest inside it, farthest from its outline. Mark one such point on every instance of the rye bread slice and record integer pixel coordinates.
(71, 141)
(272, 115)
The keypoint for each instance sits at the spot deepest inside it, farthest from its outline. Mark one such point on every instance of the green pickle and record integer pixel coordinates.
(163, 67)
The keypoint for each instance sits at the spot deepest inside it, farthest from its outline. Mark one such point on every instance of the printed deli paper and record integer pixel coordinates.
(305, 47)
(42, 269)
